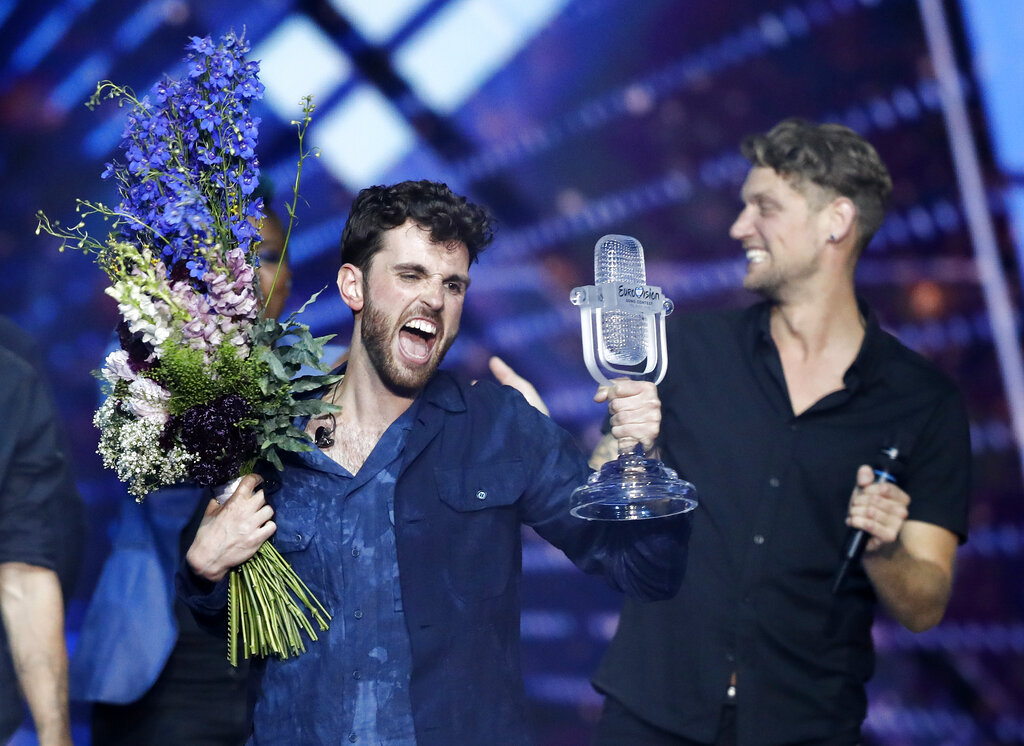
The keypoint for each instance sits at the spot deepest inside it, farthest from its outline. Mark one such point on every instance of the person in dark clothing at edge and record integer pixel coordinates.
(41, 529)
(406, 520)
(776, 412)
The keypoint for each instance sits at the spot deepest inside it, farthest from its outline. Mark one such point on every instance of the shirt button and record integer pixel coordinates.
(481, 495)
(358, 613)
(352, 737)
(774, 482)
(298, 537)
(758, 539)
(355, 551)
(357, 674)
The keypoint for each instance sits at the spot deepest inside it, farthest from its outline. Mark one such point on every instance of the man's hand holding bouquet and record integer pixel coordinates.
(204, 387)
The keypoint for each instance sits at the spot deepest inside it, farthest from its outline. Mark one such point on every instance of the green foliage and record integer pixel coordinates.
(185, 371)
(283, 349)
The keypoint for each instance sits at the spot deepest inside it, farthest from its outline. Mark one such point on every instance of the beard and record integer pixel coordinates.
(376, 332)
(774, 283)
(767, 286)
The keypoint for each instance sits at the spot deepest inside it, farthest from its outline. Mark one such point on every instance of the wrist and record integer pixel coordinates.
(203, 567)
(54, 732)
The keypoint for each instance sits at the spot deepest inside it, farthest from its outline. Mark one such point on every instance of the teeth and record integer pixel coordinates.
(756, 256)
(422, 325)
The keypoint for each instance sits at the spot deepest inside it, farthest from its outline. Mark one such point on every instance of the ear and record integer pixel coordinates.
(350, 286)
(841, 220)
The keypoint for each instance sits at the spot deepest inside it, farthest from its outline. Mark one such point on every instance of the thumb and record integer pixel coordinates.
(865, 476)
(501, 370)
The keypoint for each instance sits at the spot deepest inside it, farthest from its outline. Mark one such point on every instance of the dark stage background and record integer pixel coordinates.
(572, 119)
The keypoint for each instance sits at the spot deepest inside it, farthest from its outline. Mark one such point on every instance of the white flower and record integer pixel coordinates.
(148, 400)
(116, 368)
(132, 448)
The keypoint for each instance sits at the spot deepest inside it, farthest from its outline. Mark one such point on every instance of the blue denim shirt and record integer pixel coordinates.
(362, 663)
(478, 463)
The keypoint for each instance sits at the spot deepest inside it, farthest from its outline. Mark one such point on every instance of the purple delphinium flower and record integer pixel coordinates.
(170, 141)
(202, 44)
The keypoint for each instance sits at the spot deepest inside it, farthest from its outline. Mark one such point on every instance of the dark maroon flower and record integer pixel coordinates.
(213, 432)
(179, 272)
(140, 352)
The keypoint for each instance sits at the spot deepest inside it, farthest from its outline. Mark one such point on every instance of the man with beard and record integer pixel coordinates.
(775, 414)
(406, 521)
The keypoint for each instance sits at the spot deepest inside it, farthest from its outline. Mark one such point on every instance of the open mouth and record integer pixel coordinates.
(756, 256)
(416, 339)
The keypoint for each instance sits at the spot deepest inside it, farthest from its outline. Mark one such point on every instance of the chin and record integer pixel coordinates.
(408, 380)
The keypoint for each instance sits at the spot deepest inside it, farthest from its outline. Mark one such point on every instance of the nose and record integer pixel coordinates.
(433, 293)
(741, 226)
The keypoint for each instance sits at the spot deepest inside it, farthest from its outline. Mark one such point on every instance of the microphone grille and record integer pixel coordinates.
(622, 334)
(619, 259)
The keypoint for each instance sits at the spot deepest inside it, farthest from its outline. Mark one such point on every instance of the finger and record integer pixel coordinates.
(885, 496)
(501, 370)
(634, 395)
(891, 492)
(263, 515)
(880, 518)
(249, 505)
(884, 506)
(648, 419)
(243, 488)
(251, 482)
(626, 387)
(602, 394)
(264, 532)
(865, 476)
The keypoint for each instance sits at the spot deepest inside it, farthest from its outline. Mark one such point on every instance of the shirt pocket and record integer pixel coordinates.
(481, 526)
(297, 539)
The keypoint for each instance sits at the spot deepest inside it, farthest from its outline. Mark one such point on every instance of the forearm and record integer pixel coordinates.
(606, 450)
(33, 617)
(914, 590)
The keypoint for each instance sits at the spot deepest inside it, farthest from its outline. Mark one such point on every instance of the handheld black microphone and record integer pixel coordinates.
(887, 467)
(623, 334)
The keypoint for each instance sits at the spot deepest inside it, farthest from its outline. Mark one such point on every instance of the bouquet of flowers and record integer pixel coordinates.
(203, 386)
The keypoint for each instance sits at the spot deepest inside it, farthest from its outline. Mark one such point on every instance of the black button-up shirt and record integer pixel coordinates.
(767, 535)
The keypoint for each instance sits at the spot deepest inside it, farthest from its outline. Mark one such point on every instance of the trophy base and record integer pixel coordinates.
(633, 488)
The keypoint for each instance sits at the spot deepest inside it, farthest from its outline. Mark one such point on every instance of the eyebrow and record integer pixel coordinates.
(761, 196)
(420, 269)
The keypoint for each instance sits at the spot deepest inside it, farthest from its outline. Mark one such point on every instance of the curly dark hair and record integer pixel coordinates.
(832, 156)
(430, 204)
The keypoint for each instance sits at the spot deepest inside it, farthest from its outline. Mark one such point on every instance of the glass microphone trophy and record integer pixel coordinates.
(623, 320)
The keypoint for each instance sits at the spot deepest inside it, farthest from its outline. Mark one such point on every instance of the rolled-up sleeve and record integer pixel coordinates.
(33, 468)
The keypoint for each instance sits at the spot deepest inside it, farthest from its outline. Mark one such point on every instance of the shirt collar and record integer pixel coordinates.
(441, 391)
(864, 369)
